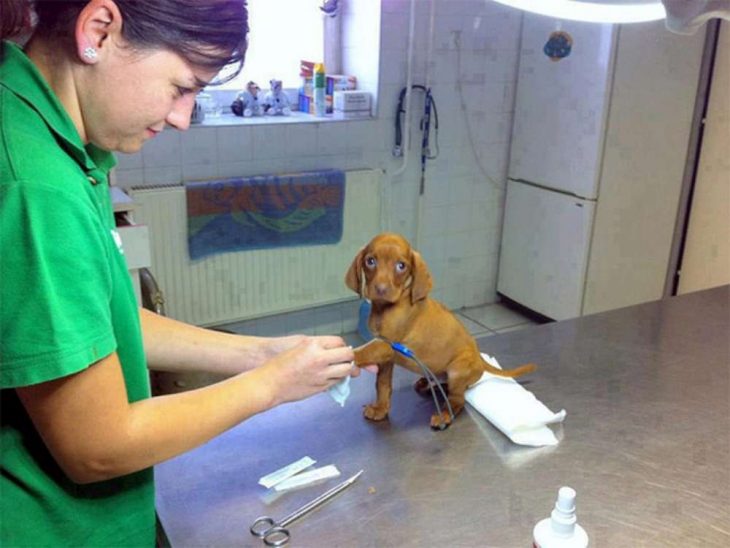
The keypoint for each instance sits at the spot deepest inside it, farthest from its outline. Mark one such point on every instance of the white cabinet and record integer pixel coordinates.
(545, 244)
(598, 159)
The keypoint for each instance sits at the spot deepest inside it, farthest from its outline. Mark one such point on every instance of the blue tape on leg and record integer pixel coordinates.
(402, 349)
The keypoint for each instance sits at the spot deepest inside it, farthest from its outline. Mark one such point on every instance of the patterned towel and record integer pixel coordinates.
(261, 212)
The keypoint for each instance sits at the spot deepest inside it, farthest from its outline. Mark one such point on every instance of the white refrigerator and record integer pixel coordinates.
(577, 165)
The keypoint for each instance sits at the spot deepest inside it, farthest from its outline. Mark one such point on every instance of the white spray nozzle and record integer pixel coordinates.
(566, 499)
(561, 529)
(563, 516)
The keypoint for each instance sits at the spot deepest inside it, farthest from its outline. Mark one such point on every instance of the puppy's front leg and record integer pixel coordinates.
(380, 353)
(378, 410)
(374, 352)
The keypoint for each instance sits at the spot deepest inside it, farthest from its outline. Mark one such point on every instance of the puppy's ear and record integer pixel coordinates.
(353, 278)
(422, 281)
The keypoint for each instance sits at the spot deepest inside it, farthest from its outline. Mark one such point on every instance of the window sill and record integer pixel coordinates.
(230, 119)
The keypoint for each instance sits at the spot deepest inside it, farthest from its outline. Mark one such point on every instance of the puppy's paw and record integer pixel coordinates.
(375, 412)
(421, 387)
(442, 421)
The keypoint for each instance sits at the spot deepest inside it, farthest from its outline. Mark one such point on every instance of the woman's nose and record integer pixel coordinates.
(182, 109)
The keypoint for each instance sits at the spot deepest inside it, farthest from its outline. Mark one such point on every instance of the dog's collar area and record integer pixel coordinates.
(403, 350)
(380, 305)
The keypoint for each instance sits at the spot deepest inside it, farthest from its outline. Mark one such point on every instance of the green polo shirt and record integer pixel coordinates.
(66, 301)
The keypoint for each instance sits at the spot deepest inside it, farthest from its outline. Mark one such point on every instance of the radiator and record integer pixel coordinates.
(249, 284)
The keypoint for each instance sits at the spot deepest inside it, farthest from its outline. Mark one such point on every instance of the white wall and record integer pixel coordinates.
(462, 209)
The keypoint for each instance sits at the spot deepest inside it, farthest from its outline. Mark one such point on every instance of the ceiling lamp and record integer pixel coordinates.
(595, 11)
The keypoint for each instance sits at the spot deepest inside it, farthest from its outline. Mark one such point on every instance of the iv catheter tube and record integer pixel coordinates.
(433, 381)
(430, 377)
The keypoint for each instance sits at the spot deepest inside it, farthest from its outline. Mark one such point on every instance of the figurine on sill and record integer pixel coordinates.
(247, 103)
(276, 101)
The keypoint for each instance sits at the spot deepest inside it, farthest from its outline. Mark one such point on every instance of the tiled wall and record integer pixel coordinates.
(463, 202)
(475, 44)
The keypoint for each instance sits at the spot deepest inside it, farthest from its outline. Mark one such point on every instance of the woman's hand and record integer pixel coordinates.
(175, 346)
(273, 346)
(309, 366)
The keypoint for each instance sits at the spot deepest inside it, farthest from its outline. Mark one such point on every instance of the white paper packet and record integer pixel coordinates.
(269, 480)
(310, 476)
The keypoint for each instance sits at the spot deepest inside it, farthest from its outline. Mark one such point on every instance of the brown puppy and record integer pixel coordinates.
(396, 280)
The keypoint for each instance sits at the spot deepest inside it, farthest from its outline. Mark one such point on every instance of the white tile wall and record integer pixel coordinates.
(460, 225)
(163, 151)
(200, 147)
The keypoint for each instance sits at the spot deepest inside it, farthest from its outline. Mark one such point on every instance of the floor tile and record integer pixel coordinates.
(516, 327)
(485, 335)
(475, 329)
(495, 316)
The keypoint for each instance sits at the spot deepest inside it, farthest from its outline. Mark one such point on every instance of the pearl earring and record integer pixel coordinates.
(90, 53)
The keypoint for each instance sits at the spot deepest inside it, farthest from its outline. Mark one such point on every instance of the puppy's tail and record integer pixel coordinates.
(516, 372)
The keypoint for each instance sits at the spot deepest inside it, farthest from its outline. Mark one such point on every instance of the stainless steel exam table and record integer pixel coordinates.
(646, 444)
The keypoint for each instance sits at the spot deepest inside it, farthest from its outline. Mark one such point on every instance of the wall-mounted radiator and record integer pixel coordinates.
(248, 284)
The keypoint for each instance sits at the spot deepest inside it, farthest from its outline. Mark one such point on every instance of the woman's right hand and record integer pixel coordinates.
(310, 367)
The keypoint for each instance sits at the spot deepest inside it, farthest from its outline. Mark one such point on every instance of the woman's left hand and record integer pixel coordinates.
(276, 345)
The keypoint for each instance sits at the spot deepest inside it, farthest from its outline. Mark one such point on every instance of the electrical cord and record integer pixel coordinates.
(462, 105)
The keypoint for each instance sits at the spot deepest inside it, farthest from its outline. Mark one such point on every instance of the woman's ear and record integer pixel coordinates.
(422, 281)
(353, 278)
(97, 22)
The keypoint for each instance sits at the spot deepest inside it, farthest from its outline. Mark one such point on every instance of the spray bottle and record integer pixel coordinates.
(319, 91)
(560, 530)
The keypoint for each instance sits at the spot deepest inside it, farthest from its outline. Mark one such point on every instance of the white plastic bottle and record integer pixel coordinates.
(561, 530)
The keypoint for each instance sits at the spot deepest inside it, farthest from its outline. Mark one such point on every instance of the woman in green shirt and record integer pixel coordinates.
(79, 431)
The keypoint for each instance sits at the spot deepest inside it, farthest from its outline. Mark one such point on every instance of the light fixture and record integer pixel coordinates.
(595, 11)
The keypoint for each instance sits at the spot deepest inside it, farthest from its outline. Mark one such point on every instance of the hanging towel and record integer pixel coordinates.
(261, 212)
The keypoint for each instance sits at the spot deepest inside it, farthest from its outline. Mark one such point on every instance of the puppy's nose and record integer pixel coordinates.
(381, 289)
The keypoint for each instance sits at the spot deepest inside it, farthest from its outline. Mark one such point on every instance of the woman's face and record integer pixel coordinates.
(129, 96)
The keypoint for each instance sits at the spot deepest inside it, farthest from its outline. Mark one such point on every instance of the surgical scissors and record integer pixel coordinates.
(276, 534)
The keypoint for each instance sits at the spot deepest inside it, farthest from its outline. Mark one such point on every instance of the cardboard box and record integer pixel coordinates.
(351, 100)
(306, 68)
(339, 82)
(350, 115)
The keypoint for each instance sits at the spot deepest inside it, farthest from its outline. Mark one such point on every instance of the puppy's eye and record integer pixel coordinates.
(370, 262)
(400, 266)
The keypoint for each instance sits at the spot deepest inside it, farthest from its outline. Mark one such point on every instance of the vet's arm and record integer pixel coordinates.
(95, 434)
(175, 346)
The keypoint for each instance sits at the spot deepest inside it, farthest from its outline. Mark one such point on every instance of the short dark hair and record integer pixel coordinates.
(14, 18)
(206, 33)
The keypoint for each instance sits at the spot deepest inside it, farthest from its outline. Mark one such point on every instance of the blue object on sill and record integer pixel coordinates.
(362, 326)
